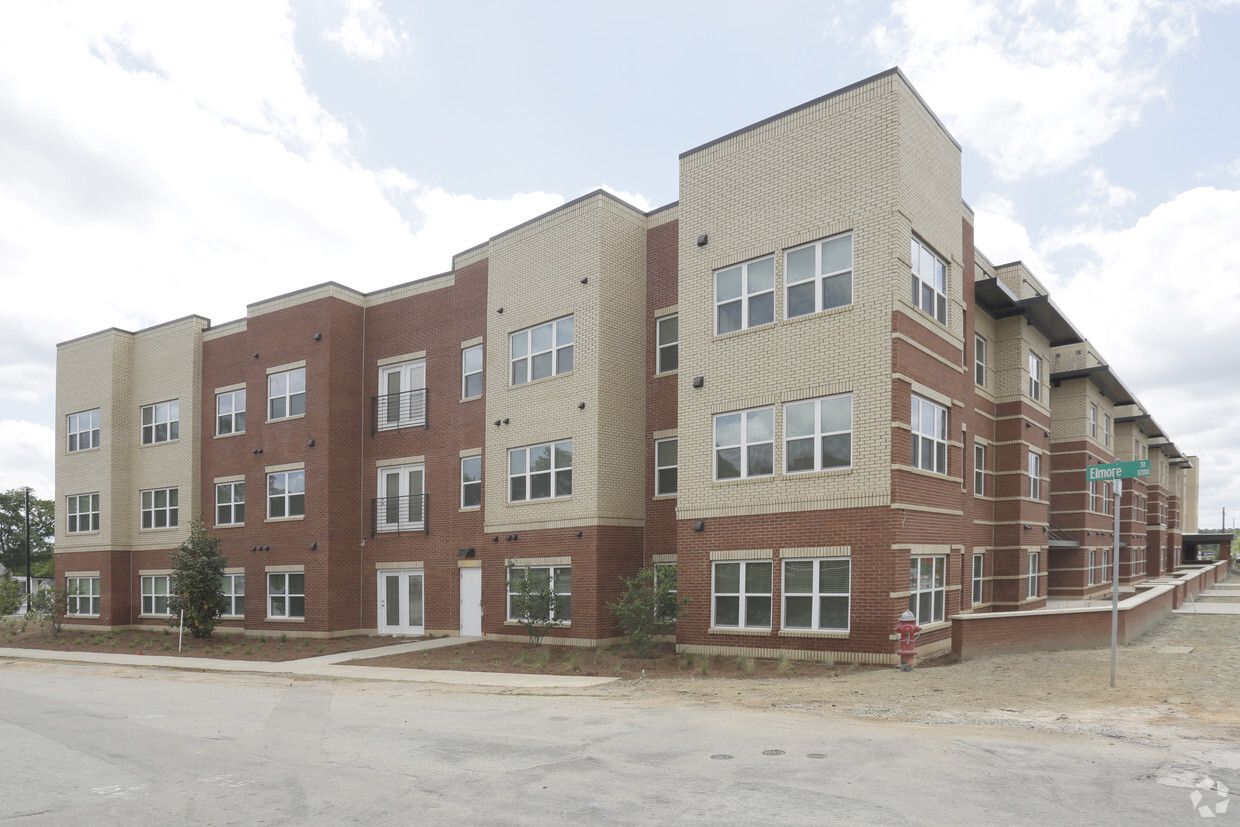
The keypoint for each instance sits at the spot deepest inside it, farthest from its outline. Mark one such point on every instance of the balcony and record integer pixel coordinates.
(392, 411)
(397, 515)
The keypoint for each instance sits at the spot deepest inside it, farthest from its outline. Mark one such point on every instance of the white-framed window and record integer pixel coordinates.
(1032, 591)
(818, 434)
(1092, 570)
(542, 351)
(929, 424)
(665, 573)
(155, 594)
(1108, 498)
(1035, 376)
(741, 593)
(471, 372)
(471, 482)
(1106, 429)
(83, 513)
(1093, 420)
(286, 594)
(286, 394)
(82, 596)
(229, 503)
(927, 587)
(83, 430)
(159, 507)
(401, 503)
(979, 361)
(666, 465)
(286, 494)
(816, 594)
(929, 280)
(745, 444)
(667, 343)
(560, 578)
(979, 566)
(1035, 475)
(232, 586)
(819, 276)
(540, 472)
(230, 412)
(1106, 566)
(979, 469)
(161, 422)
(402, 395)
(745, 295)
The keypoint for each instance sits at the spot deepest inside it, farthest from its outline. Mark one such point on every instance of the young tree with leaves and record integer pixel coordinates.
(533, 601)
(649, 607)
(13, 533)
(197, 583)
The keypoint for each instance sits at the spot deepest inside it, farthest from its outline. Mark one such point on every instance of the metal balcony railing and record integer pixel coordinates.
(400, 514)
(406, 409)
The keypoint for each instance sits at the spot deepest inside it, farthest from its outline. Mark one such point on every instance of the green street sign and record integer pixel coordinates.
(1119, 470)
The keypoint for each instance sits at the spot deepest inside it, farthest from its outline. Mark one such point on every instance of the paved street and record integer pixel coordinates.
(93, 744)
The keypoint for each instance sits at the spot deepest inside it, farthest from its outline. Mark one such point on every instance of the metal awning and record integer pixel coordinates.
(993, 296)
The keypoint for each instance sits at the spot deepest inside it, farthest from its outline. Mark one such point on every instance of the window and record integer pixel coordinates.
(286, 595)
(83, 595)
(926, 576)
(155, 594)
(745, 444)
(160, 423)
(818, 434)
(667, 341)
(286, 394)
(559, 578)
(816, 594)
(540, 471)
(1105, 576)
(401, 504)
(1107, 498)
(1106, 429)
(84, 430)
(471, 372)
(159, 507)
(230, 412)
(666, 464)
(1035, 475)
(402, 395)
(1035, 376)
(929, 423)
(819, 276)
(979, 470)
(665, 573)
(745, 296)
(979, 361)
(83, 513)
(471, 482)
(1093, 420)
(1033, 574)
(286, 494)
(229, 503)
(1092, 571)
(539, 352)
(742, 595)
(979, 564)
(929, 281)
(232, 586)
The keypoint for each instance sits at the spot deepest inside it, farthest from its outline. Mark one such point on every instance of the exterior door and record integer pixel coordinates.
(401, 603)
(471, 602)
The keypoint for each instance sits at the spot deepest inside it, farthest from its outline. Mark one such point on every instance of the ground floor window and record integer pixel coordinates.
(1093, 567)
(742, 594)
(233, 588)
(83, 595)
(816, 594)
(1033, 573)
(286, 594)
(979, 564)
(665, 575)
(927, 587)
(155, 594)
(559, 578)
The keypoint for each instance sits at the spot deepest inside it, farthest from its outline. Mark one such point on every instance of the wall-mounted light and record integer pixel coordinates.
(1027, 425)
(495, 539)
(257, 451)
(255, 355)
(586, 280)
(500, 310)
(702, 239)
(699, 381)
(699, 525)
(505, 420)
(1046, 434)
(498, 423)
(1028, 528)
(314, 546)
(310, 444)
(578, 533)
(581, 406)
(253, 548)
(318, 337)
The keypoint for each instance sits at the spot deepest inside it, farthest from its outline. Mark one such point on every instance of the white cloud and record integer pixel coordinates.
(635, 199)
(365, 33)
(1103, 192)
(1002, 238)
(27, 458)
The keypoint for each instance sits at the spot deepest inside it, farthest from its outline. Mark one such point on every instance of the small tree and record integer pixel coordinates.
(197, 582)
(10, 595)
(48, 607)
(649, 608)
(533, 601)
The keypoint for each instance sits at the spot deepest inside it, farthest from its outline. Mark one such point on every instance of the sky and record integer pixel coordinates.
(165, 159)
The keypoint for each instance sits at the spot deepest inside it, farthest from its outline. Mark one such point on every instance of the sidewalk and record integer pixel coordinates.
(1229, 606)
(325, 666)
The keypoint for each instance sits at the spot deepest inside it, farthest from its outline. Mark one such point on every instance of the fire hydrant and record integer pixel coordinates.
(907, 629)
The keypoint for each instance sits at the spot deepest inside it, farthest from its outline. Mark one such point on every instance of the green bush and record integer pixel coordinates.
(197, 582)
(649, 608)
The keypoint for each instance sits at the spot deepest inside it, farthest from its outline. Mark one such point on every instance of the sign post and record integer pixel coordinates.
(1116, 472)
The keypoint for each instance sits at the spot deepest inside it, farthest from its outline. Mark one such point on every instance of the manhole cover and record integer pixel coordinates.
(816, 755)
(772, 752)
(721, 756)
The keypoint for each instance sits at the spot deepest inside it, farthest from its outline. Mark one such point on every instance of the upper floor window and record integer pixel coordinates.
(83, 513)
(745, 296)
(471, 372)
(401, 505)
(542, 351)
(819, 276)
(402, 395)
(160, 507)
(929, 422)
(979, 361)
(1093, 420)
(818, 434)
(667, 335)
(929, 281)
(230, 412)
(979, 470)
(230, 503)
(286, 394)
(1035, 376)
(286, 494)
(666, 465)
(471, 482)
(84, 430)
(1033, 575)
(539, 472)
(1106, 429)
(161, 422)
(1035, 475)
(745, 444)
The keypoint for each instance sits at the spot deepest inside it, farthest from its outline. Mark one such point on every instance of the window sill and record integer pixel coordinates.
(286, 418)
(519, 503)
(466, 508)
(473, 398)
(412, 528)
(226, 436)
(567, 624)
(232, 617)
(152, 617)
(829, 311)
(285, 519)
(661, 373)
(820, 472)
(81, 533)
(399, 426)
(285, 619)
(229, 525)
(84, 451)
(733, 333)
(658, 497)
(157, 444)
(75, 617)
(738, 630)
(740, 480)
(160, 528)
(537, 381)
(817, 633)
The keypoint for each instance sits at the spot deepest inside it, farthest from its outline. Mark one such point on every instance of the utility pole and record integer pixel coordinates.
(29, 582)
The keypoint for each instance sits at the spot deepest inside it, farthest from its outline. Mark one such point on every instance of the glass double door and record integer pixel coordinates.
(401, 602)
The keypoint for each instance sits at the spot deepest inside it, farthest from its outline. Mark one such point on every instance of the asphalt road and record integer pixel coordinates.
(89, 745)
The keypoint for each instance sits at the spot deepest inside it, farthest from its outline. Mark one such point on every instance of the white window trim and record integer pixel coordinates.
(233, 413)
(1032, 590)
(818, 434)
(742, 596)
(171, 511)
(466, 373)
(979, 577)
(673, 467)
(1092, 568)
(404, 495)
(232, 503)
(1035, 377)
(938, 297)
(410, 405)
(938, 594)
(922, 438)
(172, 422)
(477, 482)
(287, 495)
(979, 469)
(150, 580)
(92, 521)
(661, 346)
(287, 595)
(557, 350)
(1106, 431)
(231, 595)
(1035, 475)
(76, 594)
(288, 395)
(1093, 420)
(745, 297)
(744, 445)
(817, 277)
(815, 596)
(553, 471)
(552, 570)
(73, 425)
(979, 360)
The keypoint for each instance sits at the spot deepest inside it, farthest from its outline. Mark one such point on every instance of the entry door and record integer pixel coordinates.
(471, 602)
(400, 603)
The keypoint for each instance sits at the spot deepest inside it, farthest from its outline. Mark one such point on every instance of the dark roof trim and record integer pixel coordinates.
(1145, 422)
(997, 299)
(135, 332)
(301, 290)
(1104, 378)
(675, 203)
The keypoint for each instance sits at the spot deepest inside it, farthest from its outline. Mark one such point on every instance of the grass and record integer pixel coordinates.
(786, 663)
(745, 664)
(703, 663)
(573, 658)
(542, 657)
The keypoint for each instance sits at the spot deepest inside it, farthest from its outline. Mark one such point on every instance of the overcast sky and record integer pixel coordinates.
(162, 159)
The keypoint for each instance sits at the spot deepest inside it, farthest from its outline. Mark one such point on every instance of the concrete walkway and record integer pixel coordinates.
(326, 666)
(1229, 606)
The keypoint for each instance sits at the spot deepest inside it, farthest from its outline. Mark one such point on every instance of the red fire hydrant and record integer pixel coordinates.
(907, 629)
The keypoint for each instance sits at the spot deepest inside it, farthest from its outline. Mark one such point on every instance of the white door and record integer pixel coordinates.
(400, 603)
(471, 602)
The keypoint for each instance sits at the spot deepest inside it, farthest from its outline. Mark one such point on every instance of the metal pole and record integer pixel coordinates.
(29, 581)
(1115, 581)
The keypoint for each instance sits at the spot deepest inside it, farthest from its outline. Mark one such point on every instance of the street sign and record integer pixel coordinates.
(1119, 470)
